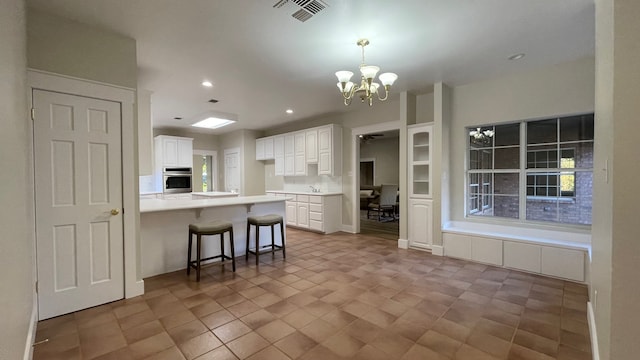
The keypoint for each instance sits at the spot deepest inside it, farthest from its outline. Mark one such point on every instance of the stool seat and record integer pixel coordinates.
(211, 226)
(214, 227)
(269, 220)
(264, 220)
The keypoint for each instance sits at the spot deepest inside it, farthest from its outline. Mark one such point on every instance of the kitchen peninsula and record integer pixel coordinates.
(164, 227)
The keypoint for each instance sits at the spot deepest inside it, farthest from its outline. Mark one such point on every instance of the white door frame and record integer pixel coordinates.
(133, 283)
(355, 161)
(214, 164)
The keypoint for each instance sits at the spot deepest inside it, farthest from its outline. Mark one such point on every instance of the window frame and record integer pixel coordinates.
(523, 171)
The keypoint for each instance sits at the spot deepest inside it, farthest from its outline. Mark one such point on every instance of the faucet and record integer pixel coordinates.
(314, 189)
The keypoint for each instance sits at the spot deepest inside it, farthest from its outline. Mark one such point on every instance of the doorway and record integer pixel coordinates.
(367, 171)
(376, 153)
(205, 171)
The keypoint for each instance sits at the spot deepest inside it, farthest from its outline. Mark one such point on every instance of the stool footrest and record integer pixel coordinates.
(273, 248)
(194, 263)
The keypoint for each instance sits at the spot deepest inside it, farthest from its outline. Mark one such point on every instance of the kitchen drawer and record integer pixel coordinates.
(315, 207)
(303, 198)
(315, 199)
(315, 215)
(316, 225)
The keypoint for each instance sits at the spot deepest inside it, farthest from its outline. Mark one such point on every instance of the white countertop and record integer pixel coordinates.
(154, 205)
(303, 192)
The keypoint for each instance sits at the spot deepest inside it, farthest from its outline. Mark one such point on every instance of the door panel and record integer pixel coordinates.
(78, 181)
(232, 170)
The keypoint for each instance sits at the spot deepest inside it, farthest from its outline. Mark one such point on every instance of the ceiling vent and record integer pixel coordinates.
(303, 9)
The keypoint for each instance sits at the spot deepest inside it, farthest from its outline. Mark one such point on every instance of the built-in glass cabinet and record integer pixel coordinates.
(419, 138)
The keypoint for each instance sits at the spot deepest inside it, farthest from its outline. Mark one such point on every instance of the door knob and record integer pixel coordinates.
(115, 212)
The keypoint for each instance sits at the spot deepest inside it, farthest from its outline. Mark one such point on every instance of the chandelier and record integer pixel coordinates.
(367, 87)
(479, 134)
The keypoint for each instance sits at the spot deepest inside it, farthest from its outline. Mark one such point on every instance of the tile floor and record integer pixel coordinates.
(339, 296)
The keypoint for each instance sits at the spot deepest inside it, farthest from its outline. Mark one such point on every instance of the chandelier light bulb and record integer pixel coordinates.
(374, 87)
(387, 79)
(369, 71)
(344, 76)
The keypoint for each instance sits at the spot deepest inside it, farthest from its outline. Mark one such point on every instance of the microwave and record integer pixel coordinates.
(176, 180)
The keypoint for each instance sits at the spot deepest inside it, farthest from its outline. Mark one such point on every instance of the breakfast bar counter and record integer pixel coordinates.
(164, 227)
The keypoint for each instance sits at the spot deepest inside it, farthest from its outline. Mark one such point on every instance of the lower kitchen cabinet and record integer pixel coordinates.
(321, 213)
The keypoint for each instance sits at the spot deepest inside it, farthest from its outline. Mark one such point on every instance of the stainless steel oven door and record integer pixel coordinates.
(177, 184)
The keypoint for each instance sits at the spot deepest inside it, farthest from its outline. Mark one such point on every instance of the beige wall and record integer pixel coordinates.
(67, 47)
(16, 214)
(616, 249)
(561, 89)
(386, 153)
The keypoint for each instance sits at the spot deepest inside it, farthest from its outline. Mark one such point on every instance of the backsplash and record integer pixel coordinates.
(147, 184)
(304, 183)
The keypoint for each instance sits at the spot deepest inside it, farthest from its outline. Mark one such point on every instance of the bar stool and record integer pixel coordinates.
(216, 227)
(265, 220)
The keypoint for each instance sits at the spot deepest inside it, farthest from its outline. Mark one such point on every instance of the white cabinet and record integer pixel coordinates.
(293, 151)
(420, 223)
(265, 148)
(541, 259)
(269, 151)
(292, 211)
(300, 162)
(173, 151)
(289, 155)
(330, 150)
(302, 211)
(278, 154)
(321, 213)
(419, 161)
(311, 143)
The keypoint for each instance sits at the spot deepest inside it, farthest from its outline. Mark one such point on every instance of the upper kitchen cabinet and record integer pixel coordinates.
(312, 146)
(265, 148)
(293, 152)
(173, 151)
(330, 150)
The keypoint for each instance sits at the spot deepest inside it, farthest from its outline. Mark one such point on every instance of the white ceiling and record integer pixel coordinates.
(262, 61)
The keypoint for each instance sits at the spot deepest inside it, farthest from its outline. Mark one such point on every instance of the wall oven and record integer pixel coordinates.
(176, 180)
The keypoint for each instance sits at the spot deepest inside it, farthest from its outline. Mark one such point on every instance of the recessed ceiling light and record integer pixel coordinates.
(213, 123)
(207, 83)
(289, 111)
(516, 56)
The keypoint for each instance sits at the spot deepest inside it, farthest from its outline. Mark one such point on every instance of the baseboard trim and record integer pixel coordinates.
(347, 228)
(31, 334)
(437, 250)
(595, 352)
(403, 244)
(135, 290)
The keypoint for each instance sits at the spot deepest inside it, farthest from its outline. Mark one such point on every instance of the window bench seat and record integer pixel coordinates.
(562, 254)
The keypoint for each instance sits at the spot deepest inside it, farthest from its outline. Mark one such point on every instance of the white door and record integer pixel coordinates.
(78, 192)
(232, 170)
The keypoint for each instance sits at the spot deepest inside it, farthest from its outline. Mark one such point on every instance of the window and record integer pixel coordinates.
(538, 170)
